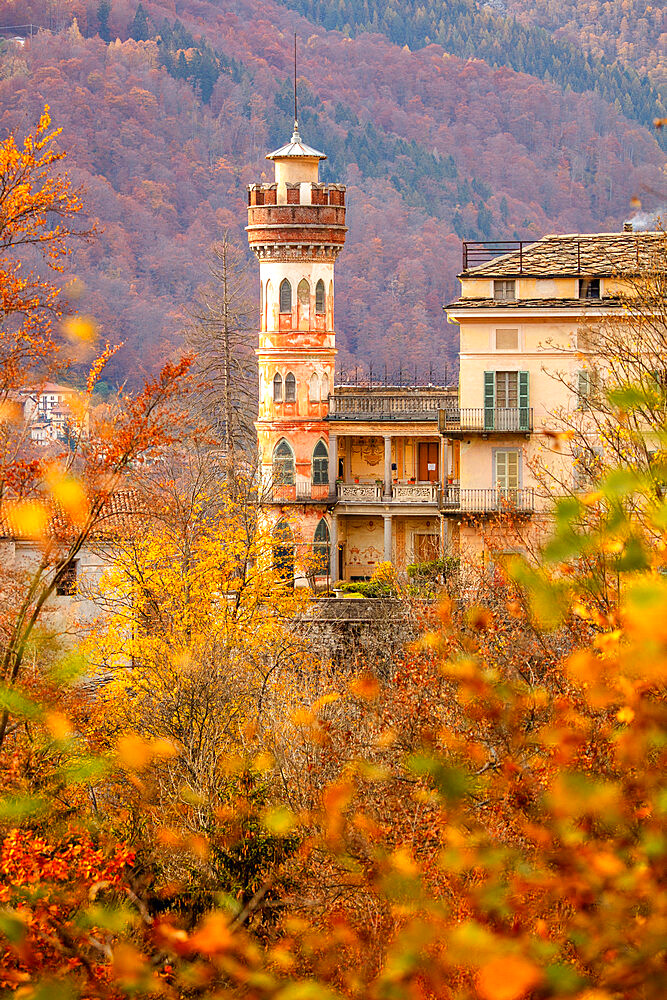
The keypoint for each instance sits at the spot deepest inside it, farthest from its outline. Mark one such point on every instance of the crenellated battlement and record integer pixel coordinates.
(304, 193)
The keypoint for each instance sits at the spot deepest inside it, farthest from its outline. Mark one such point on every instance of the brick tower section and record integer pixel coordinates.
(296, 228)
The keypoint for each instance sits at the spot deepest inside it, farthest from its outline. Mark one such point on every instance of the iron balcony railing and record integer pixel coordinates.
(401, 406)
(485, 420)
(488, 501)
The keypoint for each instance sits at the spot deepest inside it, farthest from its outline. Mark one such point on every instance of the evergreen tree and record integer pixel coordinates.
(103, 11)
(140, 28)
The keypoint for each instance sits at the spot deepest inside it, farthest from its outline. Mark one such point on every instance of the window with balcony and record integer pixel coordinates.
(290, 388)
(506, 401)
(283, 464)
(277, 388)
(320, 464)
(285, 296)
(504, 290)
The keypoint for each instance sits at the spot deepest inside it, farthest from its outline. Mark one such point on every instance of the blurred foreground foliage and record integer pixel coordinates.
(508, 845)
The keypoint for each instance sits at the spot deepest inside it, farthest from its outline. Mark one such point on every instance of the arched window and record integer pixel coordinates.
(320, 464)
(267, 303)
(303, 293)
(283, 464)
(320, 298)
(283, 551)
(322, 546)
(277, 388)
(325, 387)
(290, 388)
(261, 298)
(314, 388)
(285, 296)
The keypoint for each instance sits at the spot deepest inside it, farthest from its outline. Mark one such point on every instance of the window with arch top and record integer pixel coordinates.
(320, 464)
(285, 296)
(283, 464)
(290, 388)
(277, 388)
(320, 298)
(303, 293)
(321, 546)
(283, 551)
(314, 388)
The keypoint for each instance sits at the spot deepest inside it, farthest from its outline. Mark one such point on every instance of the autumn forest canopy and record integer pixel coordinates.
(445, 123)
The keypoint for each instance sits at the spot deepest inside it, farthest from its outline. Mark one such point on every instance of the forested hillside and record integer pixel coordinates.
(632, 31)
(472, 30)
(168, 109)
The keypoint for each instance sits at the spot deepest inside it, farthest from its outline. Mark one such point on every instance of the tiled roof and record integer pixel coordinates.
(579, 305)
(124, 513)
(595, 254)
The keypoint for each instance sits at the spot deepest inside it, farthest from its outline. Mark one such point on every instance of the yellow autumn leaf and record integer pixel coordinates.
(29, 517)
(80, 329)
(625, 714)
(507, 978)
(58, 725)
(70, 495)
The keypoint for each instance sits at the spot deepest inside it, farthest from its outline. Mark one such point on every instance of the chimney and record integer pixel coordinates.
(627, 227)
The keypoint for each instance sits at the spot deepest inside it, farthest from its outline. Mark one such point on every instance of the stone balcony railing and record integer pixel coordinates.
(400, 492)
(419, 405)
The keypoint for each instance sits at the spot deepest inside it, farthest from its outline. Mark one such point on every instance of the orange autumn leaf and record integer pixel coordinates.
(509, 977)
(213, 935)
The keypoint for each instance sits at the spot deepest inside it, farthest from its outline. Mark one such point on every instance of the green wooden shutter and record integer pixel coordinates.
(524, 410)
(489, 400)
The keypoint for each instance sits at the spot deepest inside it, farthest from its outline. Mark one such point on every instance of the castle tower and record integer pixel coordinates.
(296, 227)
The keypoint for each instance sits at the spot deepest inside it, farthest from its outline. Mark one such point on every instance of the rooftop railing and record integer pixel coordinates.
(389, 406)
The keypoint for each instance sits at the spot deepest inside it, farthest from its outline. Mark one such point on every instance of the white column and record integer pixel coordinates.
(387, 537)
(387, 469)
(333, 463)
(333, 544)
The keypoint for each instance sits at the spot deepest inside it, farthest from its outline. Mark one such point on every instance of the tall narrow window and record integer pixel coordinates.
(267, 303)
(314, 388)
(283, 551)
(285, 296)
(66, 585)
(290, 388)
(277, 388)
(321, 546)
(283, 464)
(261, 298)
(303, 293)
(320, 298)
(506, 398)
(507, 469)
(320, 464)
(325, 387)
